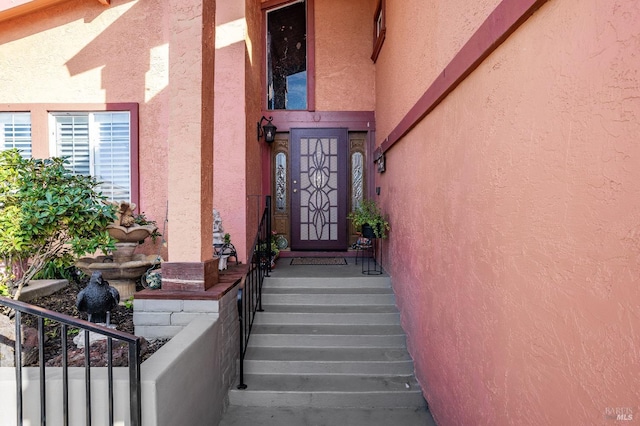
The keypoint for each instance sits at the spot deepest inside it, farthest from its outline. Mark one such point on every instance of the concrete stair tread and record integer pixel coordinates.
(328, 282)
(327, 341)
(329, 390)
(329, 299)
(327, 336)
(327, 318)
(328, 330)
(360, 368)
(328, 354)
(337, 309)
(309, 416)
(325, 290)
(340, 383)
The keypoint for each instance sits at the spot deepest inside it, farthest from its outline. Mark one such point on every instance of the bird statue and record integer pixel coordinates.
(97, 299)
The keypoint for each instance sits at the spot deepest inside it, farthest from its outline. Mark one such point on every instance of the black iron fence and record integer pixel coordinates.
(250, 295)
(66, 322)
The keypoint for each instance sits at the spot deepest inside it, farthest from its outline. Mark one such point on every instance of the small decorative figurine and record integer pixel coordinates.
(97, 299)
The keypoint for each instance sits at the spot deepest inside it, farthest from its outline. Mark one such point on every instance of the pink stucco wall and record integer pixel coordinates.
(345, 76)
(155, 54)
(230, 128)
(420, 41)
(515, 205)
(83, 52)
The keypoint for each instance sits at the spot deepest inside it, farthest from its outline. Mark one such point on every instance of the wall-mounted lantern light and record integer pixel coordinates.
(268, 130)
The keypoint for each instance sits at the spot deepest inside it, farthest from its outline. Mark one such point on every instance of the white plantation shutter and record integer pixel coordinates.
(72, 141)
(111, 154)
(98, 144)
(15, 132)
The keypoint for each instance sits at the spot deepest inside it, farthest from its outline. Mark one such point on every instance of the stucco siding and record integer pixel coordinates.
(230, 148)
(345, 78)
(83, 52)
(514, 212)
(421, 38)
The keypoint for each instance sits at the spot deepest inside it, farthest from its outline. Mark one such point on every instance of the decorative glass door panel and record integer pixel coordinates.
(319, 189)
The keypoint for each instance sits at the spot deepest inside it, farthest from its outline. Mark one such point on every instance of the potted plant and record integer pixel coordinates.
(268, 252)
(225, 252)
(369, 219)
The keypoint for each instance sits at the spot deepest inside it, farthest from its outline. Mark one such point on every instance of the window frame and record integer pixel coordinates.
(311, 61)
(379, 29)
(41, 132)
(4, 145)
(92, 143)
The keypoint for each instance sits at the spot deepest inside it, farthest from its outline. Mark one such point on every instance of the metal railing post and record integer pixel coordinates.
(250, 297)
(18, 361)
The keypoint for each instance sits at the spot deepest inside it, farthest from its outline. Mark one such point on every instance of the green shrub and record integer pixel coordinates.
(48, 214)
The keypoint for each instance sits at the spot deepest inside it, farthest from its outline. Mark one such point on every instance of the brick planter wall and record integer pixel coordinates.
(163, 314)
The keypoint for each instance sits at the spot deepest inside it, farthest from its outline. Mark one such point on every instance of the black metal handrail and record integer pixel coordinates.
(250, 295)
(65, 321)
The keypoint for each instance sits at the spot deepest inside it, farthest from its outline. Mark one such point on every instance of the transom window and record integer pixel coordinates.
(286, 47)
(15, 132)
(96, 144)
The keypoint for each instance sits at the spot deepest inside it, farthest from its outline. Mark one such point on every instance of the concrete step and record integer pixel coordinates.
(328, 342)
(336, 309)
(327, 318)
(305, 335)
(379, 368)
(323, 290)
(272, 390)
(324, 282)
(327, 299)
(330, 354)
(287, 416)
(373, 361)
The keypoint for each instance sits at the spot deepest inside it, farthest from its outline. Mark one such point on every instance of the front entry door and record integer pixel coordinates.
(319, 189)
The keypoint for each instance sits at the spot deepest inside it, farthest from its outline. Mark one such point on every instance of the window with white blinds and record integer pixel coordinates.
(97, 144)
(15, 132)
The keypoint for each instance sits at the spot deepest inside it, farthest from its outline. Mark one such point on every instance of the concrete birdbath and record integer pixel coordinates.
(123, 267)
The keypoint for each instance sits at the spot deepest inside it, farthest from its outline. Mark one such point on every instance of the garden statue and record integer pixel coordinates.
(125, 215)
(218, 230)
(97, 299)
(222, 246)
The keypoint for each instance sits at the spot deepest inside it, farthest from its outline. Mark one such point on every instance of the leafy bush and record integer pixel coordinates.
(59, 268)
(48, 214)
